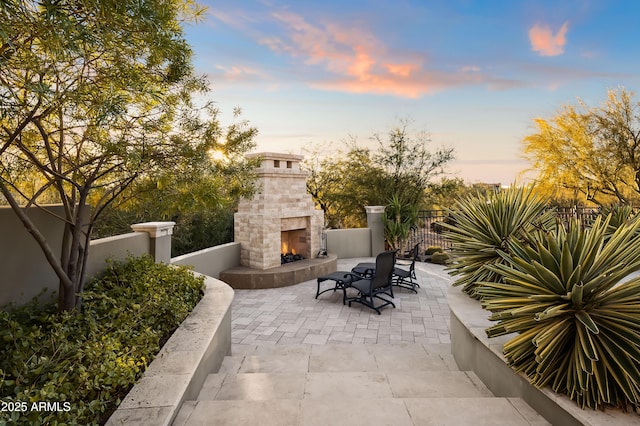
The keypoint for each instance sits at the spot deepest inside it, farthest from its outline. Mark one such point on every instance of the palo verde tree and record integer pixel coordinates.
(94, 94)
(591, 151)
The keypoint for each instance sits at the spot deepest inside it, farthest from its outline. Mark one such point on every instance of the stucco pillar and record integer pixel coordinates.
(160, 238)
(375, 224)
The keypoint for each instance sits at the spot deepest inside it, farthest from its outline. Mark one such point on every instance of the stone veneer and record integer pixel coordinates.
(280, 202)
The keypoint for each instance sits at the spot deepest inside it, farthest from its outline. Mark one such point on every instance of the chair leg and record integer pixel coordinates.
(368, 301)
(409, 285)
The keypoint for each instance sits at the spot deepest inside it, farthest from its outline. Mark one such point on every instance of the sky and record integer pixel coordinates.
(311, 75)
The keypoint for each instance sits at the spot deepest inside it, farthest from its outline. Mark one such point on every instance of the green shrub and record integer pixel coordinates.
(432, 249)
(484, 225)
(91, 359)
(576, 311)
(440, 258)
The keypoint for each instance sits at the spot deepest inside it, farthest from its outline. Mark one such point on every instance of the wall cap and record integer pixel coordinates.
(154, 229)
(374, 209)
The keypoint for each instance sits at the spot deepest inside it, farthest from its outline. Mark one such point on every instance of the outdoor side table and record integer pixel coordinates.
(365, 269)
(342, 279)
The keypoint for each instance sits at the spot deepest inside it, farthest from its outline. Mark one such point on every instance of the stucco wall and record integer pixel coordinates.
(346, 243)
(116, 248)
(24, 270)
(211, 261)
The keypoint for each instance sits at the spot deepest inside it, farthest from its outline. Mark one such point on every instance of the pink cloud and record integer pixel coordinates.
(354, 60)
(358, 61)
(545, 42)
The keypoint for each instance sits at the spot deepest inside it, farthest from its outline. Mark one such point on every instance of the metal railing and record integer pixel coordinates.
(429, 229)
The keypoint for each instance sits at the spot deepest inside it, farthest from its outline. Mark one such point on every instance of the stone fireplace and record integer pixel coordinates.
(281, 218)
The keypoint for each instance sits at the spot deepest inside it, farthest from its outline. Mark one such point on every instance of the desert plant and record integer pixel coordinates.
(576, 312)
(485, 225)
(441, 258)
(432, 249)
(398, 218)
(620, 214)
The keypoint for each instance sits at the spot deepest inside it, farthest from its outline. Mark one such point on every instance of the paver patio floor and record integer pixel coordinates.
(291, 315)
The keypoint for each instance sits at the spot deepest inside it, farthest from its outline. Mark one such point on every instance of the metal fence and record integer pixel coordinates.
(586, 215)
(429, 230)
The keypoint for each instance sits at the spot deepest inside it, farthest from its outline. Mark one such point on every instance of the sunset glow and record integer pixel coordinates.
(475, 74)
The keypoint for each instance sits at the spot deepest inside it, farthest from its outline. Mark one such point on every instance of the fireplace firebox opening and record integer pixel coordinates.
(293, 245)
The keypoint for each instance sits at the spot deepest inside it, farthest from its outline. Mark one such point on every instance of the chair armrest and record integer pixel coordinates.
(354, 277)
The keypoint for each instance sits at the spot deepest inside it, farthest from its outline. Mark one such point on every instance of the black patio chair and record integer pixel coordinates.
(379, 283)
(407, 278)
(342, 280)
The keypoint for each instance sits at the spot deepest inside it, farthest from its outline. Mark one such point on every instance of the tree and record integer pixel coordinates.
(401, 169)
(342, 185)
(591, 151)
(409, 166)
(201, 199)
(94, 94)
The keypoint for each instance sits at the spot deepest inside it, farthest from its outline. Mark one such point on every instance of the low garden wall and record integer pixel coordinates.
(347, 243)
(178, 372)
(117, 248)
(211, 261)
(25, 270)
(474, 351)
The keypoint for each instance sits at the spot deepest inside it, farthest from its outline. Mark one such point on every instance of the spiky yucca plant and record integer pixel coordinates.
(484, 225)
(576, 312)
(620, 214)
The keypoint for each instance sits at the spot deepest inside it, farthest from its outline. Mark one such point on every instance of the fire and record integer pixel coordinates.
(284, 248)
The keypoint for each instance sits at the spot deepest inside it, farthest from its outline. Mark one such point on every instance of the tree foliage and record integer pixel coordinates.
(593, 151)
(94, 94)
(401, 168)
(200, 198)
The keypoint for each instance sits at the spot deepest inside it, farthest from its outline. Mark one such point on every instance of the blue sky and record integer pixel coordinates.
(474, 74)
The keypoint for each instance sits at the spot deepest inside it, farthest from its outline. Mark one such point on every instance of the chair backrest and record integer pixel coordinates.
(384, 269)
(416, 253)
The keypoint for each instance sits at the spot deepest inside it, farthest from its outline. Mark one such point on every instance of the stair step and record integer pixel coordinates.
(327, 358)
(361, 411)
(343, 384)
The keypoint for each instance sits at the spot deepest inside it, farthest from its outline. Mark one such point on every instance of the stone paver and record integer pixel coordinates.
(291, 315)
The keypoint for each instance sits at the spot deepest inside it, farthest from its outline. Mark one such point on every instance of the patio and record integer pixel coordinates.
(291, 315)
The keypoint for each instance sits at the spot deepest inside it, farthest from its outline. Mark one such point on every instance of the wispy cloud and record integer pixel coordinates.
(545, 42)
(359, 62)
(240, 73)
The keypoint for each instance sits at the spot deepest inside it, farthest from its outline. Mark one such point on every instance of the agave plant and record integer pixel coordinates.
(483, 226)
(576, 310)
